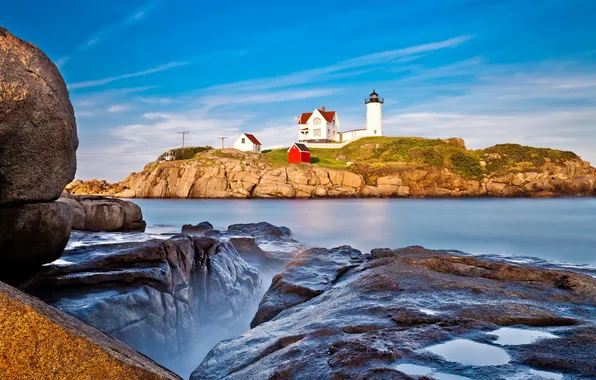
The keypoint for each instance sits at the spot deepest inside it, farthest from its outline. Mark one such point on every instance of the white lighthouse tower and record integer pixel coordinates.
(374, 115)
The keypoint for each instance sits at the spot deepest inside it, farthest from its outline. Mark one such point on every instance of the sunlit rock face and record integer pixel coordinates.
(152, 295)
(341, 314)
(39, 342)
(97, 213)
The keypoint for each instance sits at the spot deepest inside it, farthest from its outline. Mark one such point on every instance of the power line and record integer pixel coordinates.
(183, 134)
(222, 138)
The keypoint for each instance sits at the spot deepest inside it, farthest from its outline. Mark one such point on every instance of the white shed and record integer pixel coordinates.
(248, 143)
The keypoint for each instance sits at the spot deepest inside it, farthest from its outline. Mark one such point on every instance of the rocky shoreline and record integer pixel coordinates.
(230, 173)
(413, 313)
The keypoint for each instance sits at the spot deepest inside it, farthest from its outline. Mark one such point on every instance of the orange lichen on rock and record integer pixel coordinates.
(38, 341)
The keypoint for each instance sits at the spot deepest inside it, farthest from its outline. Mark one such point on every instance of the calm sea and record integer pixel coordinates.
(559, 230)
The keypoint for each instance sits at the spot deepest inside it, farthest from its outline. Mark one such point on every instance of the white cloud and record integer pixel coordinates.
(101, 82)
(117, 108)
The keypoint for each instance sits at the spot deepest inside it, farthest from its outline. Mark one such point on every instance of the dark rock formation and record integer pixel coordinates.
(38, 341)
(96, 213)
(274, 242)
(154, 295)
(38, 141)
(32, 234)
(197, 229)
(338, 314)
(38, 133)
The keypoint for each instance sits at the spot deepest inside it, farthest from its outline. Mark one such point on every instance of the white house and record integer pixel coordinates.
(319, 126)
(322, 127)
(248, 143)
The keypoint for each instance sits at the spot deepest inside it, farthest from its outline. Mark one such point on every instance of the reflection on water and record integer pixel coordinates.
(552, 229)
(413, 369)
(508, 336)
(419, 370)
(472, 353)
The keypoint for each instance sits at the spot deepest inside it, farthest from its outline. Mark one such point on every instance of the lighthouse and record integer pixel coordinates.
(374, 114)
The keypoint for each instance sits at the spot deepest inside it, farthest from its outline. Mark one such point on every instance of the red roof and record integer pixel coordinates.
(252, 138)
(328, 115)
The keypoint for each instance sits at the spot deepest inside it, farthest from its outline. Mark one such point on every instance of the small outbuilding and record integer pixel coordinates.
(298, 153)
(248, 143)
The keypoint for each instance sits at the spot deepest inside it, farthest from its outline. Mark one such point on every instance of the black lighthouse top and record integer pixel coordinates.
(374, 98)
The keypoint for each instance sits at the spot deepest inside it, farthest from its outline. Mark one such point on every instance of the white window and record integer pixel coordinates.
(243, 140)
(316, 121)
(353, 134)
(316, 132)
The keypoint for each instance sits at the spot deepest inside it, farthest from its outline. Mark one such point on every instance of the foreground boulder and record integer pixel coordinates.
(95, 213)
(38, 142)
(339, 314)
(157, 296)
(32, 234)
(38, 341)
(38, 132)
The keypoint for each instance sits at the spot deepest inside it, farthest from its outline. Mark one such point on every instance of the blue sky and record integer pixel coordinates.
(489, 71)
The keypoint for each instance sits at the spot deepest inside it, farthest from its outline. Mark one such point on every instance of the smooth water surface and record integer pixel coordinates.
(561, 230)
(419, 370)
(508, 336)
(472, 353)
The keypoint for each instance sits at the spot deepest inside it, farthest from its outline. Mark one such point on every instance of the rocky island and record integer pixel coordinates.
(369, 167)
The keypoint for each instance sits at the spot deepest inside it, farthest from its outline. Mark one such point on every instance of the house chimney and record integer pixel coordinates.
(323, 108)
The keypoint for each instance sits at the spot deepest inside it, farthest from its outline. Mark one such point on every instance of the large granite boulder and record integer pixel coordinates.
(158, 296)
(38, 142)
(32, 234)
(96, 213)
(38, 132)
(38, 341)
(411, 313)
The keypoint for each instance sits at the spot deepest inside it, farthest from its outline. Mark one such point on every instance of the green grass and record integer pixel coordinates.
(506, 158)
(374, 157)
(184, 153)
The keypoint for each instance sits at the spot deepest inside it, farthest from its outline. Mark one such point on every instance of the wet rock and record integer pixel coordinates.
(155, 295)
(277, 243)
(38, 133)
(31, 235)
(338, 314)
(573, 353)
(96, 213)
(307, 276)
(197, 229)
(261, 229)
(38, 341)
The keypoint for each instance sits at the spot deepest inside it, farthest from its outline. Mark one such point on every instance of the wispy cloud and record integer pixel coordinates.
(357, 63)
(111, 30)
(101, 82)
(117, 108)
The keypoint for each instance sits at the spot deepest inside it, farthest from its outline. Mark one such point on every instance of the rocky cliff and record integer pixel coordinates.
(444, 170)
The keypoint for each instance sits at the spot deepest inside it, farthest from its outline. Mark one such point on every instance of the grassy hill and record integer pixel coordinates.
(374, 157)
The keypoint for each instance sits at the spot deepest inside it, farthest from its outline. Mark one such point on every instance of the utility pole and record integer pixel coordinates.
(222, 138)
(183, 133)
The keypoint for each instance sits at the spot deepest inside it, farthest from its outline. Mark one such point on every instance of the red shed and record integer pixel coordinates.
(298, 153)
